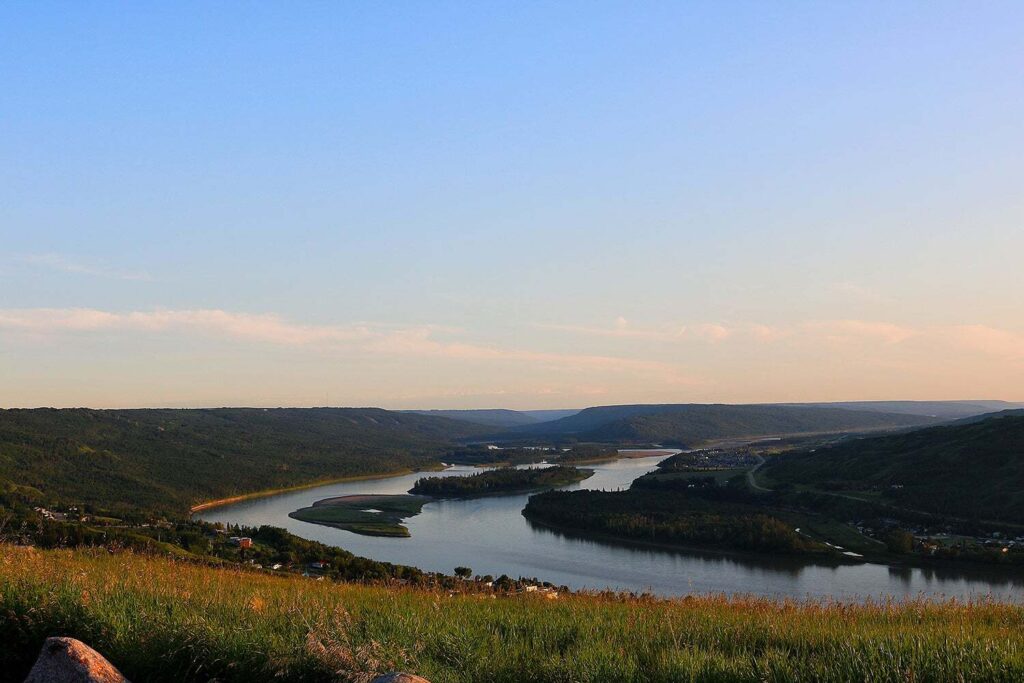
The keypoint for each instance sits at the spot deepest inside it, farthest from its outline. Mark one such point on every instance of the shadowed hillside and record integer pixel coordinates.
(974, 468)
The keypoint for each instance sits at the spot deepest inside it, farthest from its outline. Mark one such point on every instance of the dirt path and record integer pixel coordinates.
(750, 476)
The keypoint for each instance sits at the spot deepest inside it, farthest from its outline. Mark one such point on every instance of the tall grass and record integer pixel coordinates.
(162, 620)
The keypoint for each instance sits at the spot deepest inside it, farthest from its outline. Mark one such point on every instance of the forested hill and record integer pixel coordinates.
(170, 459)
(499, 417)
(947, 410)
(692, 424)
(496, 417)
(974, 468)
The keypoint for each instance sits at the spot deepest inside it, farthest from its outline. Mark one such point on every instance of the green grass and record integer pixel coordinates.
(352, 513)
(162, 620)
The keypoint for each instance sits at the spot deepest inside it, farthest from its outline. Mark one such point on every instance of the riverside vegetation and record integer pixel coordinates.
(164, 620)
(938, 494)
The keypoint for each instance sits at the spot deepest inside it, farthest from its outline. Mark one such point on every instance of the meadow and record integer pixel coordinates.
(168, 620)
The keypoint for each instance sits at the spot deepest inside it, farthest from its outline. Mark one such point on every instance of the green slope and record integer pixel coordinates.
(975, 469)
(170, 459)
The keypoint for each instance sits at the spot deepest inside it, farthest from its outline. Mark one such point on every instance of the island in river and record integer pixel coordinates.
(507, 480)
(382, 515)
(370, 515)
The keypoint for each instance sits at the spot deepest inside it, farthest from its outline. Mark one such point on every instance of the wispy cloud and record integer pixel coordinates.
(65, 264)
(859, 330)
(985, 339)
(991, 340)
(622, 328)
(413, 341)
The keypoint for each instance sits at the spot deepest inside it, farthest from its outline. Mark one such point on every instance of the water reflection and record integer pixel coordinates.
(491, 536)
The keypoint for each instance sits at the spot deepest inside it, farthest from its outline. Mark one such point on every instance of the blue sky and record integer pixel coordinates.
(509, 204)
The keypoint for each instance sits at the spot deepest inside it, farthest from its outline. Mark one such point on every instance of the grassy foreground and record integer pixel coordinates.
(161, 620)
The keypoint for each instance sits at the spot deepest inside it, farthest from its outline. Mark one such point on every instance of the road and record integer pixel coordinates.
(750, 476)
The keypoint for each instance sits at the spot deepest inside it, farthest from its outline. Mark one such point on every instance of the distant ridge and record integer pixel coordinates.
(691, 424)
(949, 410)
(498, 417)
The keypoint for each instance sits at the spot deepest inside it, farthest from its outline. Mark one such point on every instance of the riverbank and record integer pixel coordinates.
(207, 505)
(627, 542)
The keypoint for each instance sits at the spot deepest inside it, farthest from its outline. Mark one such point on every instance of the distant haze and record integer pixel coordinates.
(521, 205)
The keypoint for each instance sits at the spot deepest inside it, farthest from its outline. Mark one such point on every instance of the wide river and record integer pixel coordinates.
(491, 536)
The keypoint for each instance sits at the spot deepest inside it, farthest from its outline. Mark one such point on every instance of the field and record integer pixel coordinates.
(160, 620)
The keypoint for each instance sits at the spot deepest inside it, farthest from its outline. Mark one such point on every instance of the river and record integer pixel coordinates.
(491, 536)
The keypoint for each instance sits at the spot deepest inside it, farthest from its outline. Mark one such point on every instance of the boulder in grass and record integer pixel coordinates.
(66, 660)
(399, 677)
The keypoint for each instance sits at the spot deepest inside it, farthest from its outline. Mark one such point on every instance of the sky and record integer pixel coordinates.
(519, 205)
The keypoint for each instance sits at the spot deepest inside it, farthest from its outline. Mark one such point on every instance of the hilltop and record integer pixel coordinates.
(973, 468)
(693, 424)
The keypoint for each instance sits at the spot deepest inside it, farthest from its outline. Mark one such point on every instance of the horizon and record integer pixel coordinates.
(521, 410)
(521, 207)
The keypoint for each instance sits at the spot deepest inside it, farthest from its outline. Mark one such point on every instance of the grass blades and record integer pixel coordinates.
(166, 620)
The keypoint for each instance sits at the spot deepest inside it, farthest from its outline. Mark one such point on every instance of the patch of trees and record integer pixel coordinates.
(503, 480)
(668, 517)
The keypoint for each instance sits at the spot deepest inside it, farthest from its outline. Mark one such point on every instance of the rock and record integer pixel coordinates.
(66, 660)
(399, 677)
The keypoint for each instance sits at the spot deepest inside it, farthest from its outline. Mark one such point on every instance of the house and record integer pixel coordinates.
(241, 542)
(319, 565)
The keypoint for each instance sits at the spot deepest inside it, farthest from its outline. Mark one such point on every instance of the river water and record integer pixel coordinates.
(491, 536)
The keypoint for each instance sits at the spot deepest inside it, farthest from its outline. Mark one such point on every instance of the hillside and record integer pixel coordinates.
(691, 424)
(975, 468)
(159, 620)
(499, 417)
(170, 459)
(947, 410)
(492, 417)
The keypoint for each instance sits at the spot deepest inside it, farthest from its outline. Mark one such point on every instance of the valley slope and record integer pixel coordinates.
(973, 469)
(693, 424)
(170, 459)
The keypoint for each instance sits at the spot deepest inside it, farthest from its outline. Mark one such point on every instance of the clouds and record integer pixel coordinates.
(65, 264)
(421, 341)
(237, 355)
(990, 340)
(621, 328)
(820, 334)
